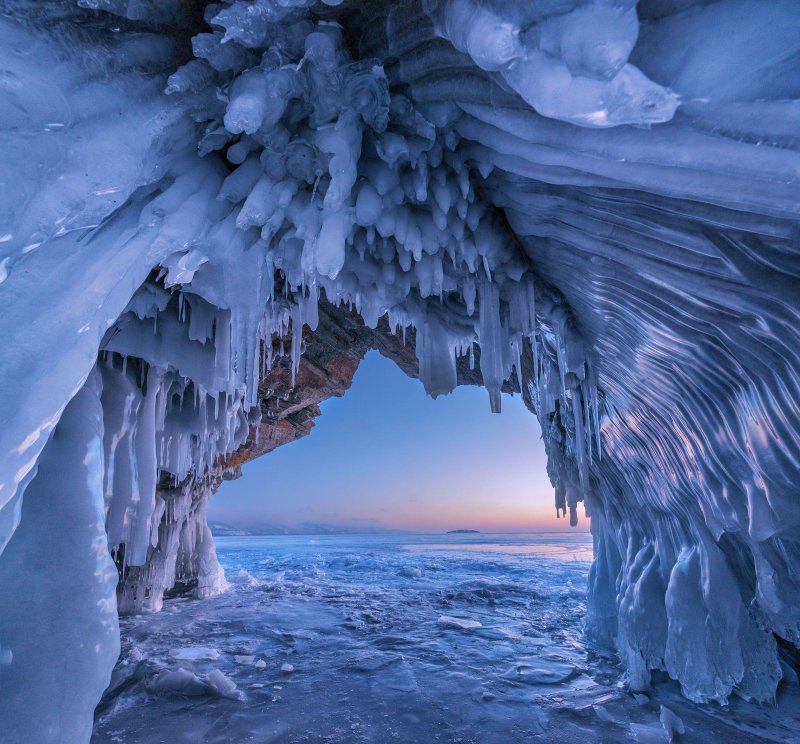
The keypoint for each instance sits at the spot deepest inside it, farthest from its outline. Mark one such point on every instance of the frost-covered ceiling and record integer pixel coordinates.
(602, 195)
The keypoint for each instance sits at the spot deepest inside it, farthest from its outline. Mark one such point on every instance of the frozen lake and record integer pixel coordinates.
(396, 638)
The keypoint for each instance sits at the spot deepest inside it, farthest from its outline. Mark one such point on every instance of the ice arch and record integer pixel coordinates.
(601, 196)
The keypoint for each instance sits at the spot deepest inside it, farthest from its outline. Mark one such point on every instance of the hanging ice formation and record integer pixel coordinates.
(602, 197)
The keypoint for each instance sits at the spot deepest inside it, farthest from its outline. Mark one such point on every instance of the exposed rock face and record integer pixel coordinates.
(331, 355)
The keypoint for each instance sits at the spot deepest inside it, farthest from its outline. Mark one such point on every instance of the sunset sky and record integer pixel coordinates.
(387, 456)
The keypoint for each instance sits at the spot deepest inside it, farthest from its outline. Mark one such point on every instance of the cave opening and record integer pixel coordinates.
(386, 456)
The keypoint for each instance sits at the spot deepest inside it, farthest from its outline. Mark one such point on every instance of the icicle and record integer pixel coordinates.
(490, 337)
(580, 440)
(517, 361)
(530, 296)
(486, 268)
(535, 353)
(587, 424)
(437, 364)
(312, 308)
(297, 339)
(595, 409)
(562, 364)
(468, 292)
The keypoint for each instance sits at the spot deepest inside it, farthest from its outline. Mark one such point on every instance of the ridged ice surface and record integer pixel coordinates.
(600, 195)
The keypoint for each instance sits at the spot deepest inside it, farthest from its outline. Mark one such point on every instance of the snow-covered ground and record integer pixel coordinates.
(398, 638)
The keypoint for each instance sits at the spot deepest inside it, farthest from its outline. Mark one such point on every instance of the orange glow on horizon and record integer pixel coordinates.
(524, 515)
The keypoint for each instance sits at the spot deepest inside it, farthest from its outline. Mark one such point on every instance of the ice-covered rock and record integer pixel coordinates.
(592, 202)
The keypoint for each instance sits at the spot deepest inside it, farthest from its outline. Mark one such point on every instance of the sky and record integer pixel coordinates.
(386, 456)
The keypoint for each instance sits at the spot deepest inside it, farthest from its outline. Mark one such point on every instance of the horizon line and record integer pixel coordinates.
(391, 531)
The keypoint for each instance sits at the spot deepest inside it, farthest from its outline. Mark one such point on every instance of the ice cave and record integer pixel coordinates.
(211, 211)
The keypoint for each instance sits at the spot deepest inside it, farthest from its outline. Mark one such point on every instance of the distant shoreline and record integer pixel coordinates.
(392, 533)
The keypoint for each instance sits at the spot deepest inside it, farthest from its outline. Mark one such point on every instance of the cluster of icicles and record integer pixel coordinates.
(337, 186)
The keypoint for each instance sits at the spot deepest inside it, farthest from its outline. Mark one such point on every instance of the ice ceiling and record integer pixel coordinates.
(594, 201)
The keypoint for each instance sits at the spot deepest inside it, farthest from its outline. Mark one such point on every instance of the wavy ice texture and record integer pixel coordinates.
(466, 169)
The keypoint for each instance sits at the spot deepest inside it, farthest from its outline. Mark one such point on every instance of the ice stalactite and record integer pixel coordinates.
(595, 200)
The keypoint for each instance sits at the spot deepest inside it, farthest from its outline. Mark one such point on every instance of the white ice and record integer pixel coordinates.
(461, 623)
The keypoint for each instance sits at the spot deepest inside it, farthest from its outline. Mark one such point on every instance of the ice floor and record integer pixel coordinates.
(456, 638)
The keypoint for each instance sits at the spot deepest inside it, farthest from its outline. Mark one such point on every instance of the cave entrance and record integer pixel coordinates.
(388, 457)
(385, 458)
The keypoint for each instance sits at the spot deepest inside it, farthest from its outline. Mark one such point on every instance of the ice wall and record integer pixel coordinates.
(59, 617)
(601, 196)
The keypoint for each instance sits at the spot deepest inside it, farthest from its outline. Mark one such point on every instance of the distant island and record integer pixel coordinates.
(463, 532)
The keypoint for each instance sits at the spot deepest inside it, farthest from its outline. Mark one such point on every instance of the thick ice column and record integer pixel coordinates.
(181, 553)
(58, 615)
(210, 576)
